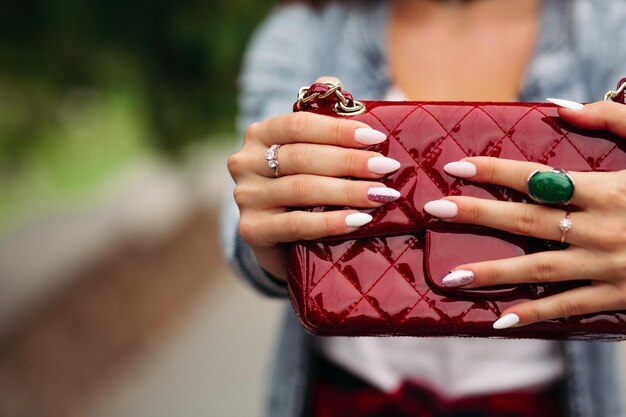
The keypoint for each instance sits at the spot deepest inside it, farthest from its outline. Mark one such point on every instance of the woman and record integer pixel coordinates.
(492, 50)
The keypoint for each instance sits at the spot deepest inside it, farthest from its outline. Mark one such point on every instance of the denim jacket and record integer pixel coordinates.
(579, 55)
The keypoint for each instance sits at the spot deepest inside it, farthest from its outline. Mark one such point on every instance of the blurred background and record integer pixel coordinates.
(116, 118)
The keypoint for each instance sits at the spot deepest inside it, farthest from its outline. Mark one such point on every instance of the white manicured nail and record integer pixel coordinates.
(382, 165)
(367, 136)
(458, 278)
(443, 209)
(568, 104)
(358, 219)
(461, 169)
(506, 321)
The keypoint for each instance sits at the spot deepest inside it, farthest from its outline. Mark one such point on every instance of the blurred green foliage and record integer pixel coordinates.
(86, 86)
(179, 58)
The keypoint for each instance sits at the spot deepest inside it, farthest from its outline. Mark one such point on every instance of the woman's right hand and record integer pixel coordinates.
(316, 151)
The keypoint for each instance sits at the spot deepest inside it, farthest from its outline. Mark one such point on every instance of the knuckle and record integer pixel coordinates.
(351, 162)
(354, 194)
(247, 229)
(338, 132)
(533, 315)
(295, 226)
(236, 164)
(541, 272)
(297, 123)
(329, 224)
(252, 131)
(239, 195)
(301, 187)
(243, 195)
(525, 222)
(490, 172)
(570, 308)
(488, 275)
(615, 265)
(471, 211)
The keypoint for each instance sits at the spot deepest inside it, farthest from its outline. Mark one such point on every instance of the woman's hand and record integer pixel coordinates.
(316, 151)
(597, 237)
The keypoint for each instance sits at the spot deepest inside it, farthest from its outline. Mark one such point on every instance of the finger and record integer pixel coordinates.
(601, 115)
(583, 300)
(567, 265)
(517, 218)
(327, 79)
(311, 190)
(314, 128)
(326, 160)
(514, 174)
(300, 225)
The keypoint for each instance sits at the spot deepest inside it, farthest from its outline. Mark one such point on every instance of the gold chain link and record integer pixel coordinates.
(612, 94)
(342, 107)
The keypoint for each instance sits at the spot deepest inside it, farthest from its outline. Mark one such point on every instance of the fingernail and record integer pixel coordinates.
(462, 169)
(367, 136)
(458, 278)
(382, 194)
(506, 321)
(382, 165)
(358, 219)
(568, 104)
(443, 209)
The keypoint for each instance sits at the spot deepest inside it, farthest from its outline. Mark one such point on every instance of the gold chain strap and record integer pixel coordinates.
(342, 107)
(612, 94)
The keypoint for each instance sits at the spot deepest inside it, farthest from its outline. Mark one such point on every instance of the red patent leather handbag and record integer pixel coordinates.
(385, 278)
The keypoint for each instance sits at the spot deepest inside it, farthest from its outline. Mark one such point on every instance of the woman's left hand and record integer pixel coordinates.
(597, 239)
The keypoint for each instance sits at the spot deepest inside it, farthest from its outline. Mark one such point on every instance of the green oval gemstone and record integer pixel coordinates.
(550, 187)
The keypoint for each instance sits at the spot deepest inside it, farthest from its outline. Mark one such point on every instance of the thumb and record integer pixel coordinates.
(602, 115)
(327, 79)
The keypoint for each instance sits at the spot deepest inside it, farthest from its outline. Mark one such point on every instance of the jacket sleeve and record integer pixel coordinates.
(599, 36)
(278, 61)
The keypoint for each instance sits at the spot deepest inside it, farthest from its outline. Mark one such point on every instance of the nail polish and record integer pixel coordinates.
(382, 165)
(367, 136)
(443, 209)
(382, 194)
(461, 169)
(458, 278)
(568, 104)
(506, 321)
(358, 219)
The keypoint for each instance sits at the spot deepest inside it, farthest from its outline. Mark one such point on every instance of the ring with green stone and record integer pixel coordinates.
(550, 187)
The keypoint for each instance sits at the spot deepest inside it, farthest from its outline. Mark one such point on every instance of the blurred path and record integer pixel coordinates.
(212, 365)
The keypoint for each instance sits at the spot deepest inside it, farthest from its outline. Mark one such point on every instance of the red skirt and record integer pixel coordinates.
(337, 393)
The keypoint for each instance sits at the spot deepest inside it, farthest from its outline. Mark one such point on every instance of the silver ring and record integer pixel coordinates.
(565, 224)
(271, 156)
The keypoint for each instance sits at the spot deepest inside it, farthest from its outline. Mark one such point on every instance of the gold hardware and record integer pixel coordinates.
(612, 94)
(342, 107)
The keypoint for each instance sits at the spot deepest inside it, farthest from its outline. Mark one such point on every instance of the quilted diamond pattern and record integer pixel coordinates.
(376, 281)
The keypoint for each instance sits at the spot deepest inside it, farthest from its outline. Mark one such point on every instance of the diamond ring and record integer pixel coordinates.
(565, 224)
(271, 156)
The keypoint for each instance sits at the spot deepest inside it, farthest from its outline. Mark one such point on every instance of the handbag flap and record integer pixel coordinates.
(447, 249)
